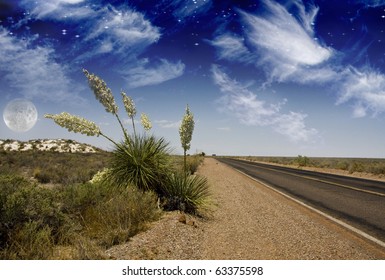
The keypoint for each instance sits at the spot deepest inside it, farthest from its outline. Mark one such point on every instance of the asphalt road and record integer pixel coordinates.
(356, 201)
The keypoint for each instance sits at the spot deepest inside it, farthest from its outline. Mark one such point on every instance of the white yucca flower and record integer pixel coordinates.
(145, 121)
(99, 177)
(129, 105)
(75, 124)
(186, 129)
(102, 92)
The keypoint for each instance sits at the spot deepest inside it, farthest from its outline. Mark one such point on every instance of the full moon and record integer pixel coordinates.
(20, 115)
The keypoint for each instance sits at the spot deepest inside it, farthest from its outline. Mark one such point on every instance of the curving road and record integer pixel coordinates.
(356, 201)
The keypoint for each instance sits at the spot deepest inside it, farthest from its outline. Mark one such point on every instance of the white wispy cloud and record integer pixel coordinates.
(186, 8)
(122, 34)
(146, 74)
(285, 44)
(104, 29)
(250, 110)
(365, 89)
(121, 31)
(232, 47)
(168, 124)
(33, 71)
(58, 9)
(371, 3)
(282, 43)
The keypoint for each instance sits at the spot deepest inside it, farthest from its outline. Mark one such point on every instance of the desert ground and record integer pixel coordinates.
(246, 221)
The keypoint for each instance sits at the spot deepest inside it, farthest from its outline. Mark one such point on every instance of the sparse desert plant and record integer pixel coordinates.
(193, 163)
(85, 219)
(185, 193)
(115, 220)
(41, 176)
(32, 241)
(355, 167)
(302, 161)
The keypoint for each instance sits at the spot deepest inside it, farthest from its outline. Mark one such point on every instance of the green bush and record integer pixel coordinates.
(193, 163)
(356, 167)
(32, 241)
(84, 219)
(41, 176)
(185, 192)
(302, 161)
(142, 161)
(343, 165)
(115, 220)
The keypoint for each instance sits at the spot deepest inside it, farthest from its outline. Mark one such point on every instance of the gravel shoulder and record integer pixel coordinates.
(247, 221)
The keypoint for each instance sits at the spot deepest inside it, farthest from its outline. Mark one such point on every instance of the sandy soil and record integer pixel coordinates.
(248, 221)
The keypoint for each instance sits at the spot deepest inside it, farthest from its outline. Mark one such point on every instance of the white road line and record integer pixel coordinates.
(341, 223)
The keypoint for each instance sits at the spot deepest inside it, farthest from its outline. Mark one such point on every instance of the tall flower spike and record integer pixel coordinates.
(129, 105)
(75, 124)
(145, 121)
(186, 129)
(102, 92)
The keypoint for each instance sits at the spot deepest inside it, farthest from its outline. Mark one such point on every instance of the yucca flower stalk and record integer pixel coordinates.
(185, 131)
(130, 108)
(77, 124)
(145, 121)
(104, 95)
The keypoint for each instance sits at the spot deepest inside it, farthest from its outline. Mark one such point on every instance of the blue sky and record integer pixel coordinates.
(265, 77)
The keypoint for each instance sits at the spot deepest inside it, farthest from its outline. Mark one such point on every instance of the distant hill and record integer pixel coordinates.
(53, 145)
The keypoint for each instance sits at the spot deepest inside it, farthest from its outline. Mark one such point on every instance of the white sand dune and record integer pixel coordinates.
(55, 145)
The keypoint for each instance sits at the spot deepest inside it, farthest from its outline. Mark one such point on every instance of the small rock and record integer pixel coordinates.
(192, 223)
(182, 219)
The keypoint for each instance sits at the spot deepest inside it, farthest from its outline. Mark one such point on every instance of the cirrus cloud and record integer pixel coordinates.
(251, 110)
(283, 44)
(144, 74)
(34, 72)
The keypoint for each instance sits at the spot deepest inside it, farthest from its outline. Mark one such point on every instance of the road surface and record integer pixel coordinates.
(355, 201)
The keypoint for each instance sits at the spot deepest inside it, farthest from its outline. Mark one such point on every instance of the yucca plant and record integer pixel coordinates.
(186, 193)
(142, 161)
(139, 160)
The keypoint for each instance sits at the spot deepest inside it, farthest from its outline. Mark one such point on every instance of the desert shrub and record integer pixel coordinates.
(343, 165)
(30, 219)
(32, 241)
(185, 192)
(302, 161)
(142, 161)
(377, 168)
(32, 203)
(356, 167)
(193, 163)
(9, 184)
(42, 176)
(116, 219)
(84, 219)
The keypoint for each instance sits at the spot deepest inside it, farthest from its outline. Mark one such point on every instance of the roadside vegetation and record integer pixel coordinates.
(75, 206)
(350, 165)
